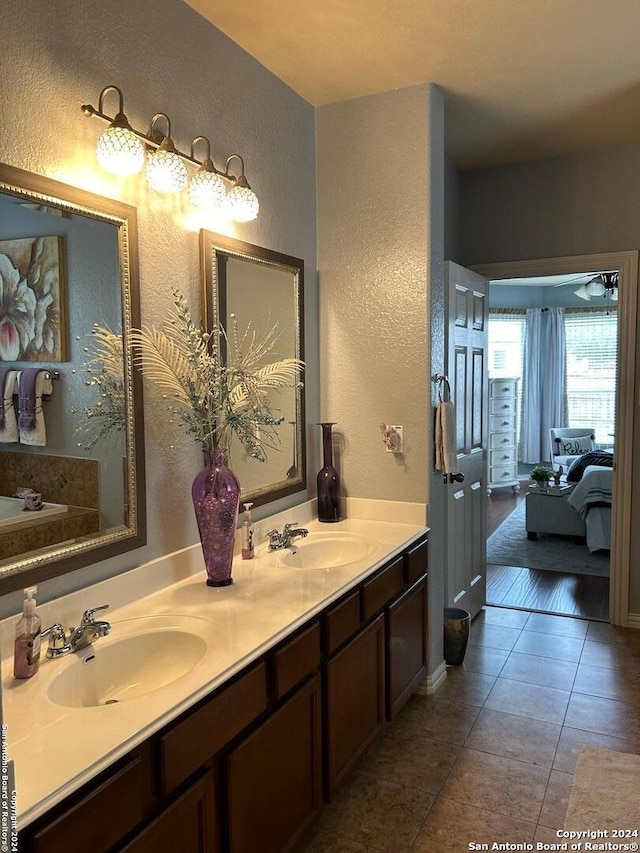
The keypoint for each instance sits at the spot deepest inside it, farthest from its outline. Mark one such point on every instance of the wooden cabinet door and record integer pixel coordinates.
(354, 701)
(274, 778)
(190, 825)
(406, 646)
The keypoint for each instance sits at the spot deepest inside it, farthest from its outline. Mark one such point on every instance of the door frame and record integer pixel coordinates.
(627, 265)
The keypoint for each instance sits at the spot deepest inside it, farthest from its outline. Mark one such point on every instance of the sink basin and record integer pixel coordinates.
(328, 551)
(124, 669)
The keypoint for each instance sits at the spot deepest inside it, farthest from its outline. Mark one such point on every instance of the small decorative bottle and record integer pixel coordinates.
(328, 481)
(247, 533)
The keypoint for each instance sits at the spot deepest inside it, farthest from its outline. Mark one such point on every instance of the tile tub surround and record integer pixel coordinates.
(473, 762)
(69, 480)
(240, 622)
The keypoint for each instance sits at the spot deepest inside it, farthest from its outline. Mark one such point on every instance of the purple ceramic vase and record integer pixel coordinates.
(216, 499)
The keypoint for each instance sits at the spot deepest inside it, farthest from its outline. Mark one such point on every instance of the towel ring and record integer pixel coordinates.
(444, 387)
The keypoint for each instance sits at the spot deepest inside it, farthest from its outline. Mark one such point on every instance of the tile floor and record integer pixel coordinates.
(489, 757)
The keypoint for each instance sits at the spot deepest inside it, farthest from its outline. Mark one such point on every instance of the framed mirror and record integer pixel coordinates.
(262, 288)
(72, 486)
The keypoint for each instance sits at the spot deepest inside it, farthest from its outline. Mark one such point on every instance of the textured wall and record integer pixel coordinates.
(380, 252)
(555, 208)
(166, 58)
(372, 260)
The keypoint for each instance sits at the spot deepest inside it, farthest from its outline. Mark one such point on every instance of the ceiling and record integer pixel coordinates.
(523, 79)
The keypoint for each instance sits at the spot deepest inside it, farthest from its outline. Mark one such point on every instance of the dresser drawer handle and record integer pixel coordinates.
(505, 441)
(506, 456)
(505, 406)
(504, 423)
(506, 388)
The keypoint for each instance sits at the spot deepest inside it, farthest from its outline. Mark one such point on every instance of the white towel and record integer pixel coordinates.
(446, 454)
(37, 437)
(9, 435)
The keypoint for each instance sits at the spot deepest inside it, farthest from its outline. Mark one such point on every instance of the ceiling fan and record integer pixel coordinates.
(602, 284)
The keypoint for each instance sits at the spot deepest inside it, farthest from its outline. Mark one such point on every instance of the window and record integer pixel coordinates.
(592, 347)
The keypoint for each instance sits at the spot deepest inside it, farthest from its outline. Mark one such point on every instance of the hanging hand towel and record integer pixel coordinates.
(446, 437)
(33, 383)
(8, 423)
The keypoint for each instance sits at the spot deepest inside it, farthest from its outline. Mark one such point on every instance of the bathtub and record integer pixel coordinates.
(13, 514)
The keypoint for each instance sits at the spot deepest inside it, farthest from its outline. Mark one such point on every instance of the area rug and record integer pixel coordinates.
(605, 795)
(509, 546)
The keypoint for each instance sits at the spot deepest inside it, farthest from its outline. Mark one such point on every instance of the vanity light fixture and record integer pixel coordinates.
(206, 187)
(119, 150)
(122, 150)
(165, 170)
(242, 202)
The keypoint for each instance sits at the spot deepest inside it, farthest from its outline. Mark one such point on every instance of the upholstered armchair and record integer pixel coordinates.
(568, 443)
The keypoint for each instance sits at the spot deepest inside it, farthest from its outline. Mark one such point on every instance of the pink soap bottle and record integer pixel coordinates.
(26, 656)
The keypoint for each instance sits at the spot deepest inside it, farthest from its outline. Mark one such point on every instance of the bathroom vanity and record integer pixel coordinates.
(302, 668)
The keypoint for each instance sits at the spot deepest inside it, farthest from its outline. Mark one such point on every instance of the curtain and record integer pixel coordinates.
(531, 447)
(554, 387)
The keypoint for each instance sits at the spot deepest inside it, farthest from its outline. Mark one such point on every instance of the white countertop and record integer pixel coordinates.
(56, 748)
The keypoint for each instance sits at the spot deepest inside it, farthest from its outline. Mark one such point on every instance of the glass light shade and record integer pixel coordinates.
(166, 172)
(120, 151)
(207, 190)
(595, 287)
(583, 293)
(242, 204)
(614, 294)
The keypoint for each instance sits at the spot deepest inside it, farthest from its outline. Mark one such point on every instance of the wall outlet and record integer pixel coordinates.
(395, 439)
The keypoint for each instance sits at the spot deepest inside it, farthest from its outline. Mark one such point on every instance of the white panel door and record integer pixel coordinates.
(466, 367)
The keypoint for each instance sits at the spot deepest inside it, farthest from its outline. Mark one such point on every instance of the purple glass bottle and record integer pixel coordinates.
(328, 481)
(216, 499)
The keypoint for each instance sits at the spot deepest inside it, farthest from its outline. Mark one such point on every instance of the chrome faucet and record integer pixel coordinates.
(79, 638)
(278, 541)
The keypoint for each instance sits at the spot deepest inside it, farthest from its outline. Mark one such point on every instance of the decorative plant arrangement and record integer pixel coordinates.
(216, 384)
(106, 416)
(541, 475)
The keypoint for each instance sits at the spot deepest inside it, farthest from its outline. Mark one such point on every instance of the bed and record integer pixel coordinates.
(591, 497)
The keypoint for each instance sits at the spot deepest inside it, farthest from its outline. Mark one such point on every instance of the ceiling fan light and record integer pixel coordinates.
(614, 294)
(583, 292)
(596, 286)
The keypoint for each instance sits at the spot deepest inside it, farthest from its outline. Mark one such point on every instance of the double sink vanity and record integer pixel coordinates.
(221, 719)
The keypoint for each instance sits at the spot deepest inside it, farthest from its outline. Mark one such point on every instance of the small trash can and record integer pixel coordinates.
(457, 625)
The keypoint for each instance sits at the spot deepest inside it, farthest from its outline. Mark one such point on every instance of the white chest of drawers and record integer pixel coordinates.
(503, 451)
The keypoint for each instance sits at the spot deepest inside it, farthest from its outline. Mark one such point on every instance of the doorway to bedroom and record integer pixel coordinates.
(553, 375)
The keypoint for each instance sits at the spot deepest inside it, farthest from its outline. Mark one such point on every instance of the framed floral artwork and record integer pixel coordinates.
(32, 300)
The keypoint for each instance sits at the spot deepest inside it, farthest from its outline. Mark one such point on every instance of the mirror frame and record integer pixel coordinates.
(211, 245)
(55, 560)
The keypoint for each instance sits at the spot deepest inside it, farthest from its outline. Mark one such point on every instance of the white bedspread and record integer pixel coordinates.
(595, 487)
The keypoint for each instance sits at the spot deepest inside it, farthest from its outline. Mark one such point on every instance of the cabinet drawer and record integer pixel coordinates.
(103, 817)
(197, 738)
(505, 456)
(502, 423)
(342, 621)
(385, 586)
(501, 439)
(297, 659)
(503, 388)
(502, 406)
(416, 562)
(503, 473)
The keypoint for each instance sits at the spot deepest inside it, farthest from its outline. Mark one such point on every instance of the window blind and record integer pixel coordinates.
(592, 349)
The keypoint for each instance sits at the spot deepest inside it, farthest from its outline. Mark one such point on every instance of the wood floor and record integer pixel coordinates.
(531, 589)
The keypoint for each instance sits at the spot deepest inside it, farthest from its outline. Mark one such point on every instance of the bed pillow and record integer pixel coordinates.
(574, 445)
(594, 457)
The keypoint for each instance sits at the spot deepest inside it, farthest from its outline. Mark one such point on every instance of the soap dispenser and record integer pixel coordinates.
(247, 533)
(26, 658)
